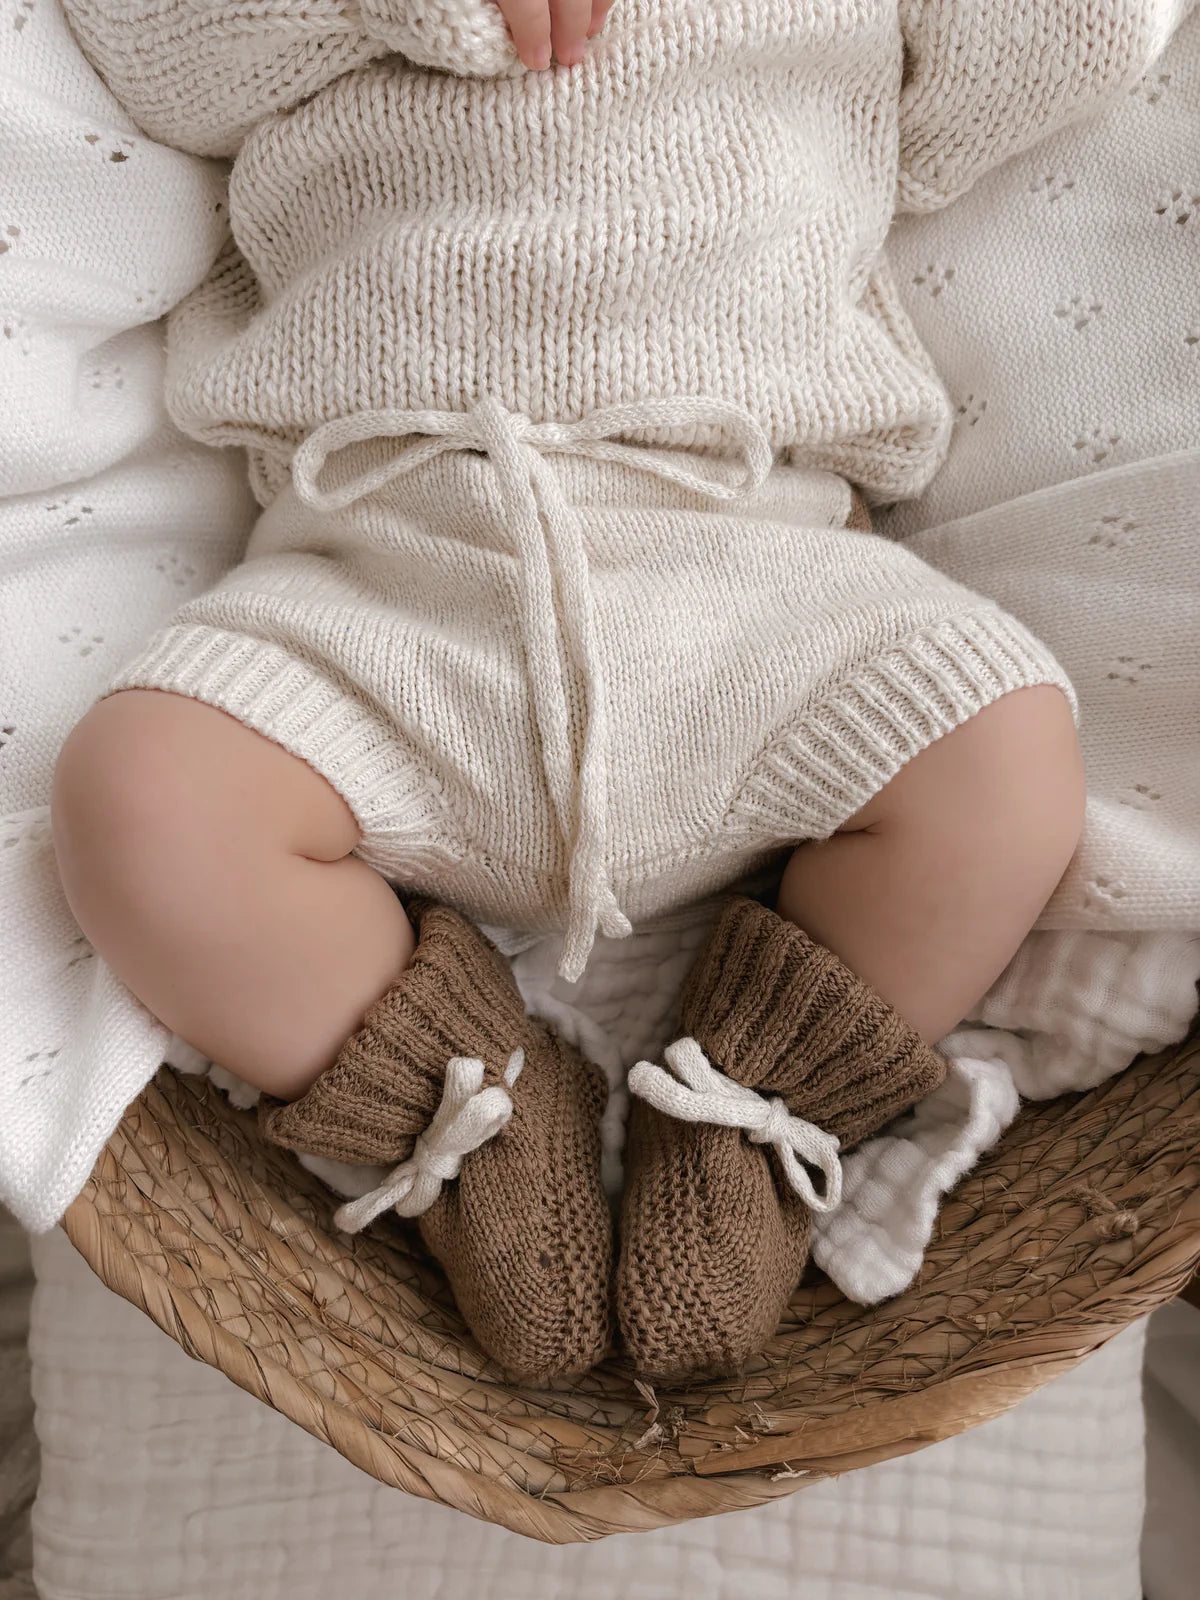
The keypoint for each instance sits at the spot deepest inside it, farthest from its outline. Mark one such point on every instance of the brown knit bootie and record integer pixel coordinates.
(714, 1225)
(498, 1123)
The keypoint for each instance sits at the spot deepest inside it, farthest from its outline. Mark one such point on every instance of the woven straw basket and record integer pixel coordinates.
(1086, 1217)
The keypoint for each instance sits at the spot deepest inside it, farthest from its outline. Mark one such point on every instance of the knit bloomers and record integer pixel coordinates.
(569, 682)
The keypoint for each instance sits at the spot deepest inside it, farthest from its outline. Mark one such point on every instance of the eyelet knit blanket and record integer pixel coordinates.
(1068, 494)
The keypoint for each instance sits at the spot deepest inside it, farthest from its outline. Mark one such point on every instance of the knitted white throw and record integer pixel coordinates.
(110, 519)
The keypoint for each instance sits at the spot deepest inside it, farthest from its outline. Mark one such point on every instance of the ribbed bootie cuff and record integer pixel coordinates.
(456, 997)
(783, 1015)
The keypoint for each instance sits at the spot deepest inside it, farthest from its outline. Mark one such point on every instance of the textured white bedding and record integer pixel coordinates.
(1171, 1536)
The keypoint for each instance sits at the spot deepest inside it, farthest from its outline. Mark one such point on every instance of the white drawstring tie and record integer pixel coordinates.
(695, 1091)
(556, 596)
(468, 1116)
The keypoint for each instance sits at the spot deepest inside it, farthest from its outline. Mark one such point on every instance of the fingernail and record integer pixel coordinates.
(541, 57)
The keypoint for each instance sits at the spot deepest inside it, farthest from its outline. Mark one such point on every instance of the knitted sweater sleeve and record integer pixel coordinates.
(986, 79)
(199, 74)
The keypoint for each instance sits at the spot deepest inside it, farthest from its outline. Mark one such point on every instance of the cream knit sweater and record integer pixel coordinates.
(698, 210)
(678, 243)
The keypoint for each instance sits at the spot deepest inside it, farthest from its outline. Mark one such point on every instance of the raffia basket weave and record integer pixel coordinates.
(1085, 1218)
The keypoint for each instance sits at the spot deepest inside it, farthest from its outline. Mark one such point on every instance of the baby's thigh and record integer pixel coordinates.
(150, 779)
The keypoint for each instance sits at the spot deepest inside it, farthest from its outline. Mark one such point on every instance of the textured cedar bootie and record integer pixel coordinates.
(715, 1220)
(497, 1124)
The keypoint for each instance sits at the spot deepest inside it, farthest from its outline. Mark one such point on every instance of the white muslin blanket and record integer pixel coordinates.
(1069, 494)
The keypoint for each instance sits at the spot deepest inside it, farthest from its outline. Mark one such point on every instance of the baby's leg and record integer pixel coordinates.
(927, 892)
(212, 870)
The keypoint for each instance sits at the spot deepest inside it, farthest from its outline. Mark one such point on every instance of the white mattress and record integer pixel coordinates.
(1171, 1538)
(161, 1481)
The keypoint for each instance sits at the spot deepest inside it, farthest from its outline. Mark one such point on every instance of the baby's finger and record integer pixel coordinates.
(569, 22)
(600, 10)
(529, 23)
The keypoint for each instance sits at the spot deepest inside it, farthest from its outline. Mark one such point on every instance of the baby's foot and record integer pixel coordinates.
(715, 1219)
(499, 1156)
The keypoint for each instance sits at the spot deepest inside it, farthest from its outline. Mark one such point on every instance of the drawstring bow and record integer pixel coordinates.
(556, 598)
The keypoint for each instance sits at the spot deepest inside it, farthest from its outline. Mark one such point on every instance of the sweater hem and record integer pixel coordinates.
(838, 754)
(314, 718)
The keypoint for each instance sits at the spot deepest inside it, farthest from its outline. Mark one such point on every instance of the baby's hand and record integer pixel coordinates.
(541, 26)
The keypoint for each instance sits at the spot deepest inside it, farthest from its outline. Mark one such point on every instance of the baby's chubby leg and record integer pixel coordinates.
(927, 892)
(212, 870)
(924, 896)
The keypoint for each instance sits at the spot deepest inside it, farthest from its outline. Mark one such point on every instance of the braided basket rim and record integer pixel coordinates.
(1082, 1220)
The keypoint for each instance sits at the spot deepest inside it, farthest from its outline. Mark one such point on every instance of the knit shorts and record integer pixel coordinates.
(600, 703)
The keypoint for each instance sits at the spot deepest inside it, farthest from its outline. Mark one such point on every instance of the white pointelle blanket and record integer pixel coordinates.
(1069, 494)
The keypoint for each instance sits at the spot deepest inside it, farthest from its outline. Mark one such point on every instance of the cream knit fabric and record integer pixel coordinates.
(697, 210)
(645, 701)
(109, 517)
(680, 242)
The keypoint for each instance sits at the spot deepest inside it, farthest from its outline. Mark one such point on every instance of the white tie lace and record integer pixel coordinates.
(468, 1116)
(556, 595)
(693, 1090)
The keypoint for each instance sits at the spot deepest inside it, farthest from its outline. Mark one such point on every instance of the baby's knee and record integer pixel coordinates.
(123, 811)
(161, 801)
(1012, 771)
(1021, 758)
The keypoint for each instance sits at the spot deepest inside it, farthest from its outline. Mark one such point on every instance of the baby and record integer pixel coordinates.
(565, 390)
